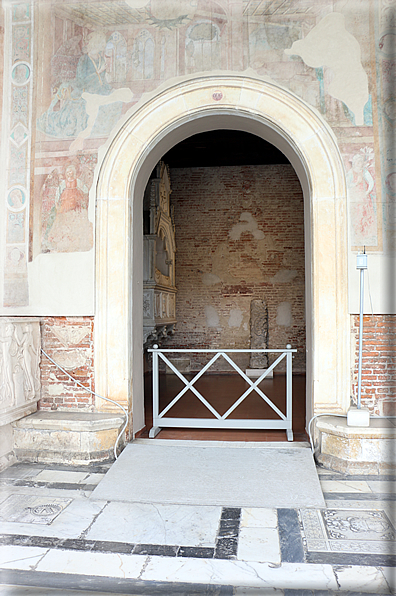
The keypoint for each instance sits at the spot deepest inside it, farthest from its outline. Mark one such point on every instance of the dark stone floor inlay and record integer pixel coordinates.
(290, 540)
(228, 533)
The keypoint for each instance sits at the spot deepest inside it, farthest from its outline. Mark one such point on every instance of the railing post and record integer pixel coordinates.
(289, 402)
(155, 429)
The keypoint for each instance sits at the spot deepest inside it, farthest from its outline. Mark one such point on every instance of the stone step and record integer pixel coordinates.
(67, 437)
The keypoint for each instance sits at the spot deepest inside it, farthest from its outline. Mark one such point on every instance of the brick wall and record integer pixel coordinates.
(378, 363)
(239, 236)
(69, 341)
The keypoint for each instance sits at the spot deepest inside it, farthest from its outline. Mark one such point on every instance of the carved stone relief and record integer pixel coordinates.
(69, 335)
(19, 364)
(258, 333)
(159, 302)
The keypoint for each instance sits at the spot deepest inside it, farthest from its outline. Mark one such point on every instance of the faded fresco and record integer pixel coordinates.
(385, 48)
(99, 57)
(17, 151)
(64, 202)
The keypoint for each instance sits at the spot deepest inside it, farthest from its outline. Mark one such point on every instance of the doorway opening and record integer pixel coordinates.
(237, 208)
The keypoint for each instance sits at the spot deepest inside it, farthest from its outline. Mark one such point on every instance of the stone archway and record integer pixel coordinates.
(179, 111)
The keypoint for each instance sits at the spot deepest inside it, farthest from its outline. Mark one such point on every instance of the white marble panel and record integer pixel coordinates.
(92, 563)
(18, 472)
(94, 478)
(20, 557)
(69, 524)
(258, 517)
(61, 476)
(389, 575)
(32, 509)
(361, 579)
(358, 504)
(244, 591)
(382, 486)
(240, 573)
(345, 486)
(30, 591)
(73, 493)
(259, 544)
(157, 524)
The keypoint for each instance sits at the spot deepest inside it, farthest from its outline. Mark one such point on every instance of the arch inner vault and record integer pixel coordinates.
(153, 127)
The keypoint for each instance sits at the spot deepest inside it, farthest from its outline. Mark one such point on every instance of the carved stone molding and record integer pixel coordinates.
(20, 345)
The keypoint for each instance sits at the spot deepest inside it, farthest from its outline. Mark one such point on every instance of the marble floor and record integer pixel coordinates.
(57, 538)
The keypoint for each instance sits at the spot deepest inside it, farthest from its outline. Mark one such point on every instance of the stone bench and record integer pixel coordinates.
(66, 437)
(356, 450)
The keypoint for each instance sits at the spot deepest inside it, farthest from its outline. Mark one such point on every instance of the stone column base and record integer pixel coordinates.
(67, 437)
(356, 450)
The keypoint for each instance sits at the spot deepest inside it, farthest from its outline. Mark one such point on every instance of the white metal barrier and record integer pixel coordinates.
(160, 420)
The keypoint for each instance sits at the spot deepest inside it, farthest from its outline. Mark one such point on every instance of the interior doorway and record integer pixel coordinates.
(238, 212)
(148, 131)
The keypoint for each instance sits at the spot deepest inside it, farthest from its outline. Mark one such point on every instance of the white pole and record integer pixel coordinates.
(362, 265)
(360, 338)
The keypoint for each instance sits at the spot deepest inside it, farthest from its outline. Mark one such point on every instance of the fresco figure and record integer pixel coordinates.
(68, 226)
(16, 198)
(362, 201)
(76, 103)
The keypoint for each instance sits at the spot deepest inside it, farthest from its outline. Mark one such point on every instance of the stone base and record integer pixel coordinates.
(7, 455)
(67, 437)
(356, 450)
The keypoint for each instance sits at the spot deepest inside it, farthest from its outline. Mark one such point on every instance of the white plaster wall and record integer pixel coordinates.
(379, 284)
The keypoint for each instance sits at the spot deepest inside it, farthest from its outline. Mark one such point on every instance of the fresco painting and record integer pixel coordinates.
(21, 42)
(64, 203)
(386, 100)
(21, 12)
(103, 56)
(362, 199)
(98, 72)
(15, 227)
(77, 102)
(20, 73)
(19, 111)
(17, 152)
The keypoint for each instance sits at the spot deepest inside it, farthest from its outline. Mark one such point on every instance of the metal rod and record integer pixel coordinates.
(360, 338)
(289, 380)
(224, 350)
(155, 388)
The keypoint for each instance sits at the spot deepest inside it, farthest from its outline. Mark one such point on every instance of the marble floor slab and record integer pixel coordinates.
(60, 476)
(29, 509)
(74, 519)
(203, 475)
(259, 544)
(144, 523)
(348, 531)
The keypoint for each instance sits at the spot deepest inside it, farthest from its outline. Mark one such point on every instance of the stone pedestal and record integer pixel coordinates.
(19, 376)
(67, 437)
(356, 450)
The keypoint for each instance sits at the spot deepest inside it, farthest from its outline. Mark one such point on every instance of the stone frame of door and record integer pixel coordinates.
(149, 130)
